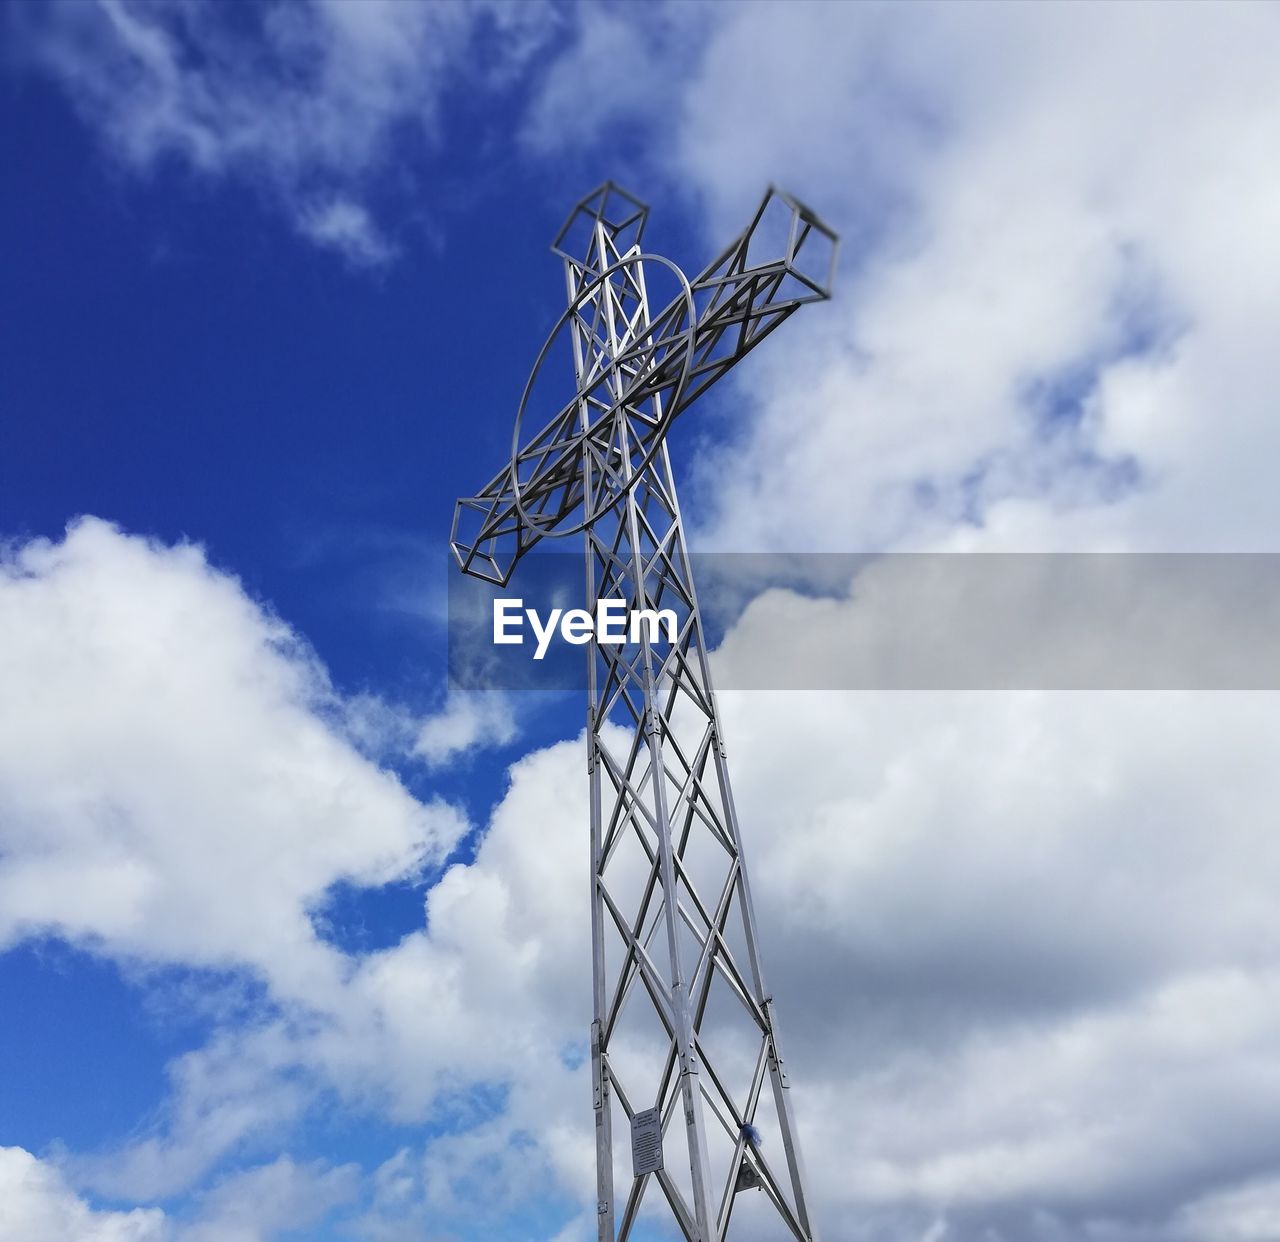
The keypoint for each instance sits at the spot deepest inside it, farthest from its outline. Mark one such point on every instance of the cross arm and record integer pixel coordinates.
(489, 536)
(784, 259)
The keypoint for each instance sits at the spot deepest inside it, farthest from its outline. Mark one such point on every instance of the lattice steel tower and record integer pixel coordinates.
(684, 1039)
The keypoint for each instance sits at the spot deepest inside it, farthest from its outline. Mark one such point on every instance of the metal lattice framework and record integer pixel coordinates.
(683, 1021)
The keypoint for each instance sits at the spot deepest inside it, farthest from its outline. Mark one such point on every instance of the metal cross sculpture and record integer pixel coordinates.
(684, 1037)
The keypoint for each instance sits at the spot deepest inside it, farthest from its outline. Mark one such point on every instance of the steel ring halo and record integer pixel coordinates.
(660, 435)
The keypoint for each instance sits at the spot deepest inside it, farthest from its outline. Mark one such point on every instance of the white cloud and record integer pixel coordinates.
(178, 788)
(1024, 953)
(478, 1007)
(1024, 946)
(172, 786)
(1245, 1213)
(260, 1203)
(37, 1205)
(1024, 943)
(1020, 944)
(243, 1089)
(1022, 950)
(1052, 326)
(947, 621)
(464, 722)
(613, 68)
(254, 1205)
(492, 988)
(347, 228)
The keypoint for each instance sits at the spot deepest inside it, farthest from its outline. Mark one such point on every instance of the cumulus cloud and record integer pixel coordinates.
(180, 786)
(166, 742)
(1020, 621)
(1024, 954)
(465, 721)
(1023, 943)
(492, 988)
(466, 1023)
(254, 1205)
(1052, 322)
(36, 1202)
(1023, 946)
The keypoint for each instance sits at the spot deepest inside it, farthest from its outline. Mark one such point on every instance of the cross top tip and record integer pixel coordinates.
(622, 214)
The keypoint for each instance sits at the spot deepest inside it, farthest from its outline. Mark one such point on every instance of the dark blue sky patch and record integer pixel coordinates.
(358, 920)
(83, 1057)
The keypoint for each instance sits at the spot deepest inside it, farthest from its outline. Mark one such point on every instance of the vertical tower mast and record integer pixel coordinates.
(687, 1069)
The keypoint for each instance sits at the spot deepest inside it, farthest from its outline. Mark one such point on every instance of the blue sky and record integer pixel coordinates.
(184, 366)
(292, 940)
(178, 363)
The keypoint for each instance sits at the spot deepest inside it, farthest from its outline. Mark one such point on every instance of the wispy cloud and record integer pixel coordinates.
(301, 101)
(347, 228)
(465, 722)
